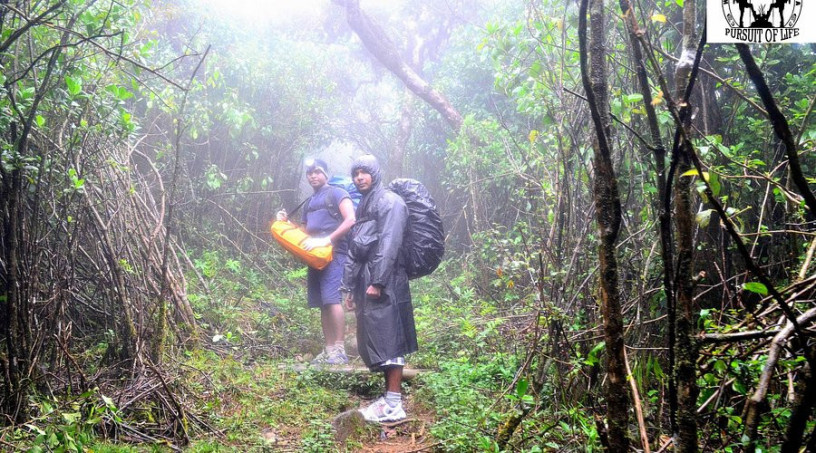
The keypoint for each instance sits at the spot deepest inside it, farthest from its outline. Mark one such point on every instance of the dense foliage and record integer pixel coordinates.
(146, 145)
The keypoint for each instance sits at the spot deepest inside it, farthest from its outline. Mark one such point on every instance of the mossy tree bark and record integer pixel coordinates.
(685, 348)
(663, 204)
(608, 216)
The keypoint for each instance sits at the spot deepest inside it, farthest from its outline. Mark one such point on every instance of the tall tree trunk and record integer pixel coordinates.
(685, 352)
(663, 207)
(804, 402)
(13, 317)
(608, 216)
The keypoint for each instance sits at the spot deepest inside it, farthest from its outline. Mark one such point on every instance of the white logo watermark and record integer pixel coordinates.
(760, 21)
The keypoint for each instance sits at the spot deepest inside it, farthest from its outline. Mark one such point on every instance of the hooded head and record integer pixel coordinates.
(316, 164)
(368, 163)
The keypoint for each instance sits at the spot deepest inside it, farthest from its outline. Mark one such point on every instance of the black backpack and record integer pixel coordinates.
(424, 241)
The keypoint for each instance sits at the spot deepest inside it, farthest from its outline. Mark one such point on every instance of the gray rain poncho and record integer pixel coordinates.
(385, 326)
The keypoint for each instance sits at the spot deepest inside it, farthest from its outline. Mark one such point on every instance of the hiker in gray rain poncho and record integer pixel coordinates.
(375, 284)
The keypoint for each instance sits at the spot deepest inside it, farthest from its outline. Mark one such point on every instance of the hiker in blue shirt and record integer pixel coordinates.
(328, 215)
(375, 285)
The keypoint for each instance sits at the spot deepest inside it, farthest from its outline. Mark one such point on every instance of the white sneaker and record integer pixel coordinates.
(320, 359)
(336, 357)
(379, 411)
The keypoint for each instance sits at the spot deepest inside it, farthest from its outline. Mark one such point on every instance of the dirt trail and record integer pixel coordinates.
(411, 435)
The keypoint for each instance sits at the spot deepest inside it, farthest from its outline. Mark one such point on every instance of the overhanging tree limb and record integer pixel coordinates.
(386, 52)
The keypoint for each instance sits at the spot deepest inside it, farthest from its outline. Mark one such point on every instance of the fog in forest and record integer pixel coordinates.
(627, 214)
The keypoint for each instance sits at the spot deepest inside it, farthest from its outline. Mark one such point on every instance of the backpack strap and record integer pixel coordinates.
(333, 209)
(299, 206)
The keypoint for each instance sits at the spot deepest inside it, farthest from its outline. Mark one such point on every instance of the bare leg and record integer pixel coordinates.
(393, 379)
(333, 320)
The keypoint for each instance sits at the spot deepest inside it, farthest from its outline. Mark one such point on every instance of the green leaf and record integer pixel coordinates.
(756, 287)
(703, 218)
(233, 265)
(26, 93)
(714, 182)
(720, 367)
(71, 417)
(635, 97)
(108, 401)
(87, 393)
(521, 387)
(35, 428)
(40, 121)
(120, 93)
(592, 359)
(74, 85)
(535, 69)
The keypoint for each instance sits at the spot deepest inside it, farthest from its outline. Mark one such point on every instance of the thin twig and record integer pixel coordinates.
(644, 437)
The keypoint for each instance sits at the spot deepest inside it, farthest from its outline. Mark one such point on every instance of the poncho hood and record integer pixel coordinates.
(369, 164)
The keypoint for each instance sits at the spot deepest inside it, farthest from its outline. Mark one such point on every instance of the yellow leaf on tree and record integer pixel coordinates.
(658, 99)
(533, 136)
(659, 18)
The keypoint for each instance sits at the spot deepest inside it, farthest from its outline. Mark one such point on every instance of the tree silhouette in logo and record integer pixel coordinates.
(761, 20)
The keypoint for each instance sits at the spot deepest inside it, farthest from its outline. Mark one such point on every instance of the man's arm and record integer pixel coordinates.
(346, 209)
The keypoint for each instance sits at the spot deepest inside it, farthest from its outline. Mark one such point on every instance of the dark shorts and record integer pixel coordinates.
(323, 286)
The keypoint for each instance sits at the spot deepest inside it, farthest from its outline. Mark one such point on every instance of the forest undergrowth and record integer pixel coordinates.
(488, 380)
(244, 384)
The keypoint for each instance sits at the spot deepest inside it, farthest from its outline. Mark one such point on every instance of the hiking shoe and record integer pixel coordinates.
(336, 357)
(379, 411)
(320, 359)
